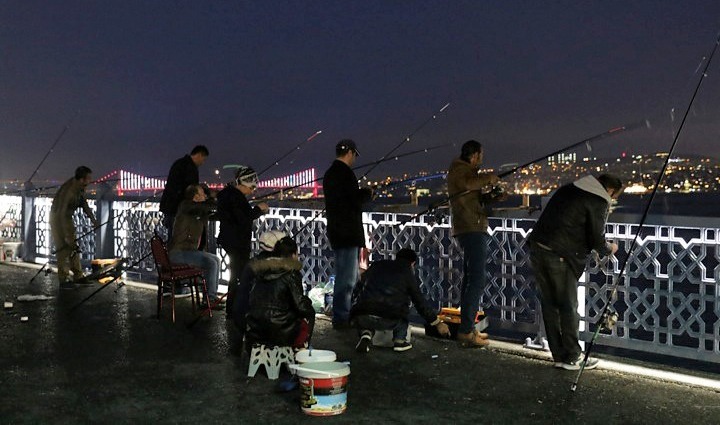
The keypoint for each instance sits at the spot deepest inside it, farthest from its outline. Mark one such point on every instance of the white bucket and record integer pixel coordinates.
(314, 356)
(323, 387)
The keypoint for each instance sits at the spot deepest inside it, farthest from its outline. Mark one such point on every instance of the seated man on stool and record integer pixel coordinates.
(383, 301)
(278, 311)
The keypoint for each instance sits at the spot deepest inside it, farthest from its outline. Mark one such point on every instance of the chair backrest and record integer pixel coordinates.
(160, 254)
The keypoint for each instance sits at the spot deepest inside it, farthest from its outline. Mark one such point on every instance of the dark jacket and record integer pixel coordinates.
(189, 226)
(182, 174)
(343, 203)
(236, 217)
(573, 222)
(468, 210)
(276, 302)
(386, 289)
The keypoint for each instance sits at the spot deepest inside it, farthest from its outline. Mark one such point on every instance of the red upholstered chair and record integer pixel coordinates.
(174, 275)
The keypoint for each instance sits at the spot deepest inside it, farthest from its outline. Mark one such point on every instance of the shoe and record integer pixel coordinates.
(558, 365)
(577, 363)
(182, 293)
(364, 343)
(204, 306)
(401, 346)
(473, 339)
(67, 285)
(84, 281)
(167, 292)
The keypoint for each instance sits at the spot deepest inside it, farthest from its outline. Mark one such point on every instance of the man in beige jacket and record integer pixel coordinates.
(70, 197)
(469, 191)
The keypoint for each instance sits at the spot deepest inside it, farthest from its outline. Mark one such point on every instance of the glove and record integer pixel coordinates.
(443, 329)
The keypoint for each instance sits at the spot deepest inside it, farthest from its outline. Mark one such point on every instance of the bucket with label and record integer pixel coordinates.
(323, 387)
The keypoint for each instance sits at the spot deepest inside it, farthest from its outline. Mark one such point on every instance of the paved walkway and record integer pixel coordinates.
(111, 361)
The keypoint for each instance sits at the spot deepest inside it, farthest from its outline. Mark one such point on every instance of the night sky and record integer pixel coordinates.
(250, 80)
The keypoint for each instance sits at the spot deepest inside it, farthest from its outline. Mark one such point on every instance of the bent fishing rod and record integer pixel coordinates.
(28, 182)
(607, 313)
(286, 154)
(358, 167)
(609, 133)
(407, 139)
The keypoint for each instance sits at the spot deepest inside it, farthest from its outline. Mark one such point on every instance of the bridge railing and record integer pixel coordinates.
(668, 300)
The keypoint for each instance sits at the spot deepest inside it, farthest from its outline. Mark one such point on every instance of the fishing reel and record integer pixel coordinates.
(609, 319)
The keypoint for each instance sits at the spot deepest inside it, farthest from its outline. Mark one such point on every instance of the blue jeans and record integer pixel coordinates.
(210, 264)
(369, 323)
(475, 251)
(346, 275)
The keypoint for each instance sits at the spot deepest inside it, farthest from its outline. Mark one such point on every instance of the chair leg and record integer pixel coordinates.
(159, 297)
(172, 301)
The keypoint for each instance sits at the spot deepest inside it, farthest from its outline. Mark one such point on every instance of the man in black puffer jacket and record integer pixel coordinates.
(382, 301)
(570, 227)
(279, 313)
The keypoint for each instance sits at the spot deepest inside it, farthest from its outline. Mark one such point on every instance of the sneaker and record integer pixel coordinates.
(400, 346)
(364, 343)
(67, 285)
(204, 306)
(558, 365)
(577, 363)
(473, 339)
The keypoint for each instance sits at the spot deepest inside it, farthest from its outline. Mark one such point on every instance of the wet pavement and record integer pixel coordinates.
(111, 361)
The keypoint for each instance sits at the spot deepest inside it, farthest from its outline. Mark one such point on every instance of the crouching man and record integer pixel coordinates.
(382, 301)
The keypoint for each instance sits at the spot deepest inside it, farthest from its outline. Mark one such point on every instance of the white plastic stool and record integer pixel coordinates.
(271, 357)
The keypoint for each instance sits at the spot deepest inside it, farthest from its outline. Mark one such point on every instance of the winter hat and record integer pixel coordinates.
(246, 176)
(269, 239)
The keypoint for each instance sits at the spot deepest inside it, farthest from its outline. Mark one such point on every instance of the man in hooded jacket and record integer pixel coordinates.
(569, 228)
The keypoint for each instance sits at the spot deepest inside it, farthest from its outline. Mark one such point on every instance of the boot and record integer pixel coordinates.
(473, 339)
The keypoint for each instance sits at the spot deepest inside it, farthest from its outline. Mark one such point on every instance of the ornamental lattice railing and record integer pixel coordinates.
(668, 300)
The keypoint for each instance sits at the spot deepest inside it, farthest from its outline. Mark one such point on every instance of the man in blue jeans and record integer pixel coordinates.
(382, 301)
(343, 203)
(190, 222)
(469, 191)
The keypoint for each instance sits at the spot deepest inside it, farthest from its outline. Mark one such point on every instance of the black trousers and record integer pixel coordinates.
(557, 284)
(238, 261)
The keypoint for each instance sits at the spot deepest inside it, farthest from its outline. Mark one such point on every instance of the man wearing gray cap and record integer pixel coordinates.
(343, 203)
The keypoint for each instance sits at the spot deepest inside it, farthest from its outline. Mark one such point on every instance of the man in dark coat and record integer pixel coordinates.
(569, 228)
(343, 202)
(183, 173)
(236, 217)
(383, 299)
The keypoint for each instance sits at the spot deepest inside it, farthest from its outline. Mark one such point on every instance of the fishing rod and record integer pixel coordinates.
(57, 140)
(357, 167)
(405, 140)
(286, 154)
(609, 133)
(607, 312)
(396, 147)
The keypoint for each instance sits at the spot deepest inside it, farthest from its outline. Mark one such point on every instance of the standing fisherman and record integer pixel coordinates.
(571, 225)
(343, 202)
(70, 197)
(469, 226)
(236, 217)
(183, 173)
